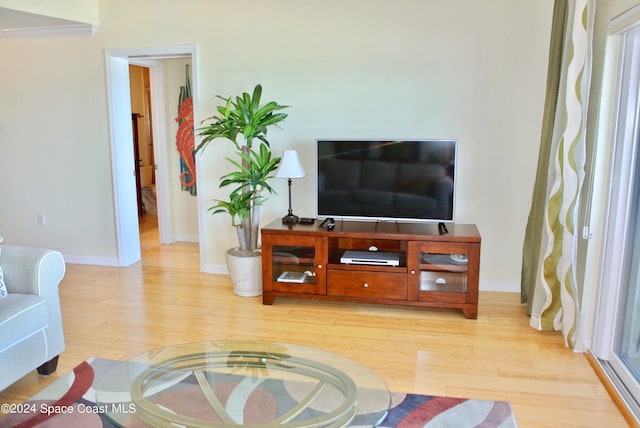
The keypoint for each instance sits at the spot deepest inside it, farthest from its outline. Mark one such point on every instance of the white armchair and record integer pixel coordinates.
(31, 335)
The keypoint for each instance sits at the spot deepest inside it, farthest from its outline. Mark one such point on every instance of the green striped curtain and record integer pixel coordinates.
(549, 285)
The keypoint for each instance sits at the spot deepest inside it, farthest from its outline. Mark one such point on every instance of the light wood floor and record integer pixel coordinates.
(120, 312)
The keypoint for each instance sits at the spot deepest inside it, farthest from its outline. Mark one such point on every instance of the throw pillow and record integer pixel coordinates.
(3, 288)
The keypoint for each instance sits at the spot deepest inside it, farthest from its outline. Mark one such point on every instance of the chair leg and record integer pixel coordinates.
(49, 367)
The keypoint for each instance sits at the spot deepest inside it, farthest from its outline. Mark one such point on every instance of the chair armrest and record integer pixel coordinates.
(31, 270)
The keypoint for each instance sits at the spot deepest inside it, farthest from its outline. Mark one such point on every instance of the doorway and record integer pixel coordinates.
(144, 154)
(123, 159)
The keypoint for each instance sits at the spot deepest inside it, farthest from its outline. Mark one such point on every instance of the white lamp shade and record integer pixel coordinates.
(290, 166)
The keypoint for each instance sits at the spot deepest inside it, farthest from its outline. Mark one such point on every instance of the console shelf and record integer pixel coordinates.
(434, 270)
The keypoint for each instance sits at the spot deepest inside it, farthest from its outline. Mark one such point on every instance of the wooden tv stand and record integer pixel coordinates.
(429, 270)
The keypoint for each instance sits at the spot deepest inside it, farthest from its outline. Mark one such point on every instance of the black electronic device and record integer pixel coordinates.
(306, 220)
(402, 180)
(331, 224)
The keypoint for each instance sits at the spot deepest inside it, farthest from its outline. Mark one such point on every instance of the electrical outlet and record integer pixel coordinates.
(42, 220)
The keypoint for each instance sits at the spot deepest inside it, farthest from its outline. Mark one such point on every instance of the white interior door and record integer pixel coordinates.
(122, 158)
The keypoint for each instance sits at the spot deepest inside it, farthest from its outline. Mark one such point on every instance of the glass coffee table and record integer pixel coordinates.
(255, 384)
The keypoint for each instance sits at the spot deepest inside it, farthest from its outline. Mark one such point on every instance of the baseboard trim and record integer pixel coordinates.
(499, 286)
(188, 238)
(98, 261)
(612, 390)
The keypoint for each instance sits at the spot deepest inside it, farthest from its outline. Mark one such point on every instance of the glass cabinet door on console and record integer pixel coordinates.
(444, 272)
(298, 264)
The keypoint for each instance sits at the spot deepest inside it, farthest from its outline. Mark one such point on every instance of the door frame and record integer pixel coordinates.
(119, 106)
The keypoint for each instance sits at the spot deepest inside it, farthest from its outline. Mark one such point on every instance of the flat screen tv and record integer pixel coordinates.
(402, 180)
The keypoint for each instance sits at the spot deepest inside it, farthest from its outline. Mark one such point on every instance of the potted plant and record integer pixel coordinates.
(244, 122)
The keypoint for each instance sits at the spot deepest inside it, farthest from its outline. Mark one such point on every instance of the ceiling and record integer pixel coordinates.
(14, 23)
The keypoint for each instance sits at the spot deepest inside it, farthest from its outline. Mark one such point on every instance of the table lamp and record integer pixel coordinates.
(290, 167)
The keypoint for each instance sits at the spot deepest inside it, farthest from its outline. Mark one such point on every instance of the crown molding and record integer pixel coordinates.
(625, 20)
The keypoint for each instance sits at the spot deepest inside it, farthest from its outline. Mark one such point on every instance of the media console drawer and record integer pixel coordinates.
(379, 285)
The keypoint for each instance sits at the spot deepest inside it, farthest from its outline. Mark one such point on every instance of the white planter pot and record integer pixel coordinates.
(245, 273)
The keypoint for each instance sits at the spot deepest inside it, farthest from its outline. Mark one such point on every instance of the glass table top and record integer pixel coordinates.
(228, 383)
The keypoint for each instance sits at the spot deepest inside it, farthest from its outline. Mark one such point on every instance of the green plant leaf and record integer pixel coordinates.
(254, 167)
(238, 206)
(257, 94)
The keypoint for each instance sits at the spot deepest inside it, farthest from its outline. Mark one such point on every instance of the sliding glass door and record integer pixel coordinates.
(627, 344)
(625, 359)
(617, 333)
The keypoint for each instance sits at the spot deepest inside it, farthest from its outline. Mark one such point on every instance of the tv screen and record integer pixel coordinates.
(412, 180)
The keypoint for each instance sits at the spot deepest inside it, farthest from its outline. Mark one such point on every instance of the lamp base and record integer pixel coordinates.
(290, 219)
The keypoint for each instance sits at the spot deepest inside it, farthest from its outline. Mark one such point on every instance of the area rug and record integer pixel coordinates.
(70, 402)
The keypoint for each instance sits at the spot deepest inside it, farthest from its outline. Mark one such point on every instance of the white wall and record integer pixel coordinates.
(461, 69)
